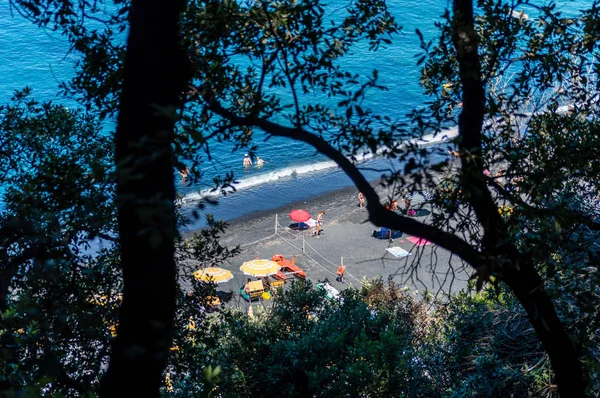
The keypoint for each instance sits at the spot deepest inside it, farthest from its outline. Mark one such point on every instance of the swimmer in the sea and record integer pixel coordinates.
(184, 173)
(259, 161)
(247, 161)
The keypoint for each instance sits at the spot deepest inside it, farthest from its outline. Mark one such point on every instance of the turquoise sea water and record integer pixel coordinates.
(40, 59)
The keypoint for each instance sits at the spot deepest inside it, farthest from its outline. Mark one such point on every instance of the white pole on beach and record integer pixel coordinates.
(303, 249)
(275, 223)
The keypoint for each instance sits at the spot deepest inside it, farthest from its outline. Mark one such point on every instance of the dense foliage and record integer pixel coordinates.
(520, 209)
(379, 341)
(61, 282)
(59, 298)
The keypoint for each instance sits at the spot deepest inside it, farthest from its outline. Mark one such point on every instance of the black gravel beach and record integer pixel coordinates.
(348, 235)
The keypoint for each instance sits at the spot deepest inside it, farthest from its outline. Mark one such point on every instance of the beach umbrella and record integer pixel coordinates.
(260, 268)
(299, 215)
(213, 274)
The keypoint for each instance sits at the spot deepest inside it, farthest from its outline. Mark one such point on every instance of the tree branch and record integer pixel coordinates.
(378, 214)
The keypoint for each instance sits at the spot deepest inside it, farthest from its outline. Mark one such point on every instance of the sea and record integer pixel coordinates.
(40, 58)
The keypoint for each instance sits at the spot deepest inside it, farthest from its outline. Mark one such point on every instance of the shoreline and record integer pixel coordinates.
(336, 204)
(296, 189)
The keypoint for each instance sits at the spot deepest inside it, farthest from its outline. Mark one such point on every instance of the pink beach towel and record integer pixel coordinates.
(418, 241)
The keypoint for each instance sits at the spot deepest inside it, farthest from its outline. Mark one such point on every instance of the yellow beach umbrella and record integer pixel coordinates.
(213, 274)
(260, 268)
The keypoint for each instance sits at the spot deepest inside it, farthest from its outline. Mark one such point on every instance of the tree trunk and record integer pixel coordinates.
(156, 72)
(518, 273)
(528, 287)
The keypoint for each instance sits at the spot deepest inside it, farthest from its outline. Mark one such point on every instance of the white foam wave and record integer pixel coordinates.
(440, 137)
(426, 140)
(297, 170)
(266, 178)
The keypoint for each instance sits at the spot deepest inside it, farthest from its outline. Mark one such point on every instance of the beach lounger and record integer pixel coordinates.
(287, 267)
(252, 290)
(279, 276)
(292, 269)
(276, 286)
(330, 292)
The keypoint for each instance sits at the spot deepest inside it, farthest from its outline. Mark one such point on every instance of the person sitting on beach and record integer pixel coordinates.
(389, 204)
(266, 283)
(500, 177)
(515, 183)
(406, 204)
(361, 200)
(259, 161)
(394, 205)
(247, 286)
(318, 224)
(247, 161)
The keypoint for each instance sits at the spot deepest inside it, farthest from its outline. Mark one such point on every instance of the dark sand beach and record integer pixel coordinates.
(347, 234)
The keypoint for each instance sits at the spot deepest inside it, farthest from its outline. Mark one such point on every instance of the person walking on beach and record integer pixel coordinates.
(318, 224)
(247, 161)
(340, 273)
(361, 200)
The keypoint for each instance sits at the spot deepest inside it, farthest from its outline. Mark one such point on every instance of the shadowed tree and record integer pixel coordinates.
(155, 74)
(501, 256)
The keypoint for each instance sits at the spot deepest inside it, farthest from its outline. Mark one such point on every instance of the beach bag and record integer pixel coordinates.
(396, 234)
(412, 212)
(383, 233)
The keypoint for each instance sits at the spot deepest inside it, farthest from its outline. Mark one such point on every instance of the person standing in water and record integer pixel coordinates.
(184, 173)
(247, 161)
(259, 161)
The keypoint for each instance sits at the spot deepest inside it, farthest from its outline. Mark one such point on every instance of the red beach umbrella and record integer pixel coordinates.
(299, 215)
